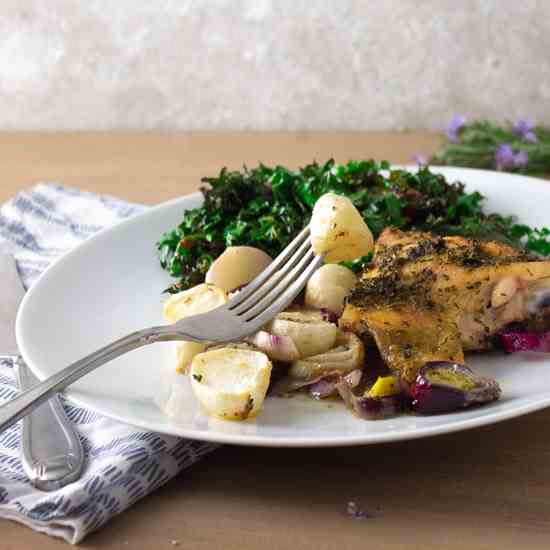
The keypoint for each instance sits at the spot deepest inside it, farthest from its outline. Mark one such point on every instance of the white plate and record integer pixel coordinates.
(112, 285)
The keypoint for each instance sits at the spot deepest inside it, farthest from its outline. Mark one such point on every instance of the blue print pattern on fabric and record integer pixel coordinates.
(124, 464)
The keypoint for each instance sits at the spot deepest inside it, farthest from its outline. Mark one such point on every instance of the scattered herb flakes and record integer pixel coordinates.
(266, 207)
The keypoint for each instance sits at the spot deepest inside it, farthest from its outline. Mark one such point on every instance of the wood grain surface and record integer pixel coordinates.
(485, 488)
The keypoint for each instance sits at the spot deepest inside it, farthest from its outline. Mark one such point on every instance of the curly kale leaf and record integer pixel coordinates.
(266, 207)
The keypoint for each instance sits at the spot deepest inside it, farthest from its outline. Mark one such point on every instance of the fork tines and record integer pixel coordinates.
(276, 287)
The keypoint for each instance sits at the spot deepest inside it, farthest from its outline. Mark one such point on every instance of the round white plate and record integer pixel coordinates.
(112, 285)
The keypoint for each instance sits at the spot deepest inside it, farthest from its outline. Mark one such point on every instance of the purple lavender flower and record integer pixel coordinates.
(421, 159)
(456, 123)
(524, 129)
(521, 159)
(505, 158)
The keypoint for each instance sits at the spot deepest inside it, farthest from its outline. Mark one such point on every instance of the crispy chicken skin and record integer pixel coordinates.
(426, 297)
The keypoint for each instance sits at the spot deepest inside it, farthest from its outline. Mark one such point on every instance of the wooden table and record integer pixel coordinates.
(485, 488)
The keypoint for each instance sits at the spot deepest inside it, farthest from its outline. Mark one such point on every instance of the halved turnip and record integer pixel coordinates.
(338, 230)
(237, 266)
(329, 286)
(231, 383)
(196, 300)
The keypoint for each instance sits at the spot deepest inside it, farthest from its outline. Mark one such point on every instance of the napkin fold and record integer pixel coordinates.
(123, 463)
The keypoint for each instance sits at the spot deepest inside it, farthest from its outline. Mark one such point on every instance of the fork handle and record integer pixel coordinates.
(28, 400)
(51, 452)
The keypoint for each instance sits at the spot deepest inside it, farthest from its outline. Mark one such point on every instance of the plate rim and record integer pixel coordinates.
(172, 429)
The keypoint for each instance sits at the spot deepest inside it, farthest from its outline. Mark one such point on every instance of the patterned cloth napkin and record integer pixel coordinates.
(123, 463)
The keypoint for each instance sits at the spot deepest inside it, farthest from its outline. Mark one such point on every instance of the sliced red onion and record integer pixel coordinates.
(289, 384)
(354, 377)
(375, 408)
(323, 388)
(329, 315)
(370, 408)
(346, 393)
(280, 348)
(326, 387)
(444, 386)
(525, 341)
(427, 399)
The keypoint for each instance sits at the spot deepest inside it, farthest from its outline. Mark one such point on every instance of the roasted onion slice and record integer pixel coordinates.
(307, 329)
(279, 348)
(444, 386)
(347, 355)
(370, 408)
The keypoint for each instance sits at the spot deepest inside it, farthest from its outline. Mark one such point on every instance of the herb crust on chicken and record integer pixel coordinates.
(425, 297)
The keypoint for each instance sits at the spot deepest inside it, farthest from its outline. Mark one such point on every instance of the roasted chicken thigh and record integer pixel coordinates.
(425, 297)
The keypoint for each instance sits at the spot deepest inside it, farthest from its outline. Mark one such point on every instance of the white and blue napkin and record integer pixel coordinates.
(124, 463)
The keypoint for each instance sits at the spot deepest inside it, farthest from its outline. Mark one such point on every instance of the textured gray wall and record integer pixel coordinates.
(270, 64)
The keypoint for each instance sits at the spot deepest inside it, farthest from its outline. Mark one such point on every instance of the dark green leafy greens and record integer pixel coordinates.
(266, 207)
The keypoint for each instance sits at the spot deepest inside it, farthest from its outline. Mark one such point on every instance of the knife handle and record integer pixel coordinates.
(51, 452)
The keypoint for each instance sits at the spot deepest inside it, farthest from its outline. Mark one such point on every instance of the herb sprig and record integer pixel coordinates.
(267, 206)
(522, 147)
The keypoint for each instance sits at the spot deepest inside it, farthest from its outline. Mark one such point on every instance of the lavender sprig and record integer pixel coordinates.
(522, 147)
(524, 129)
(507, 159)
(453, 128)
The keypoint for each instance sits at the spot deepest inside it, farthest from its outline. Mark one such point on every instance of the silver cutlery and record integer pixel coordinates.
(51, 453)
(244, 314)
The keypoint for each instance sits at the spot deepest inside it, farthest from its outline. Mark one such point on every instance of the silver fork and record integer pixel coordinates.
(255, 305)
